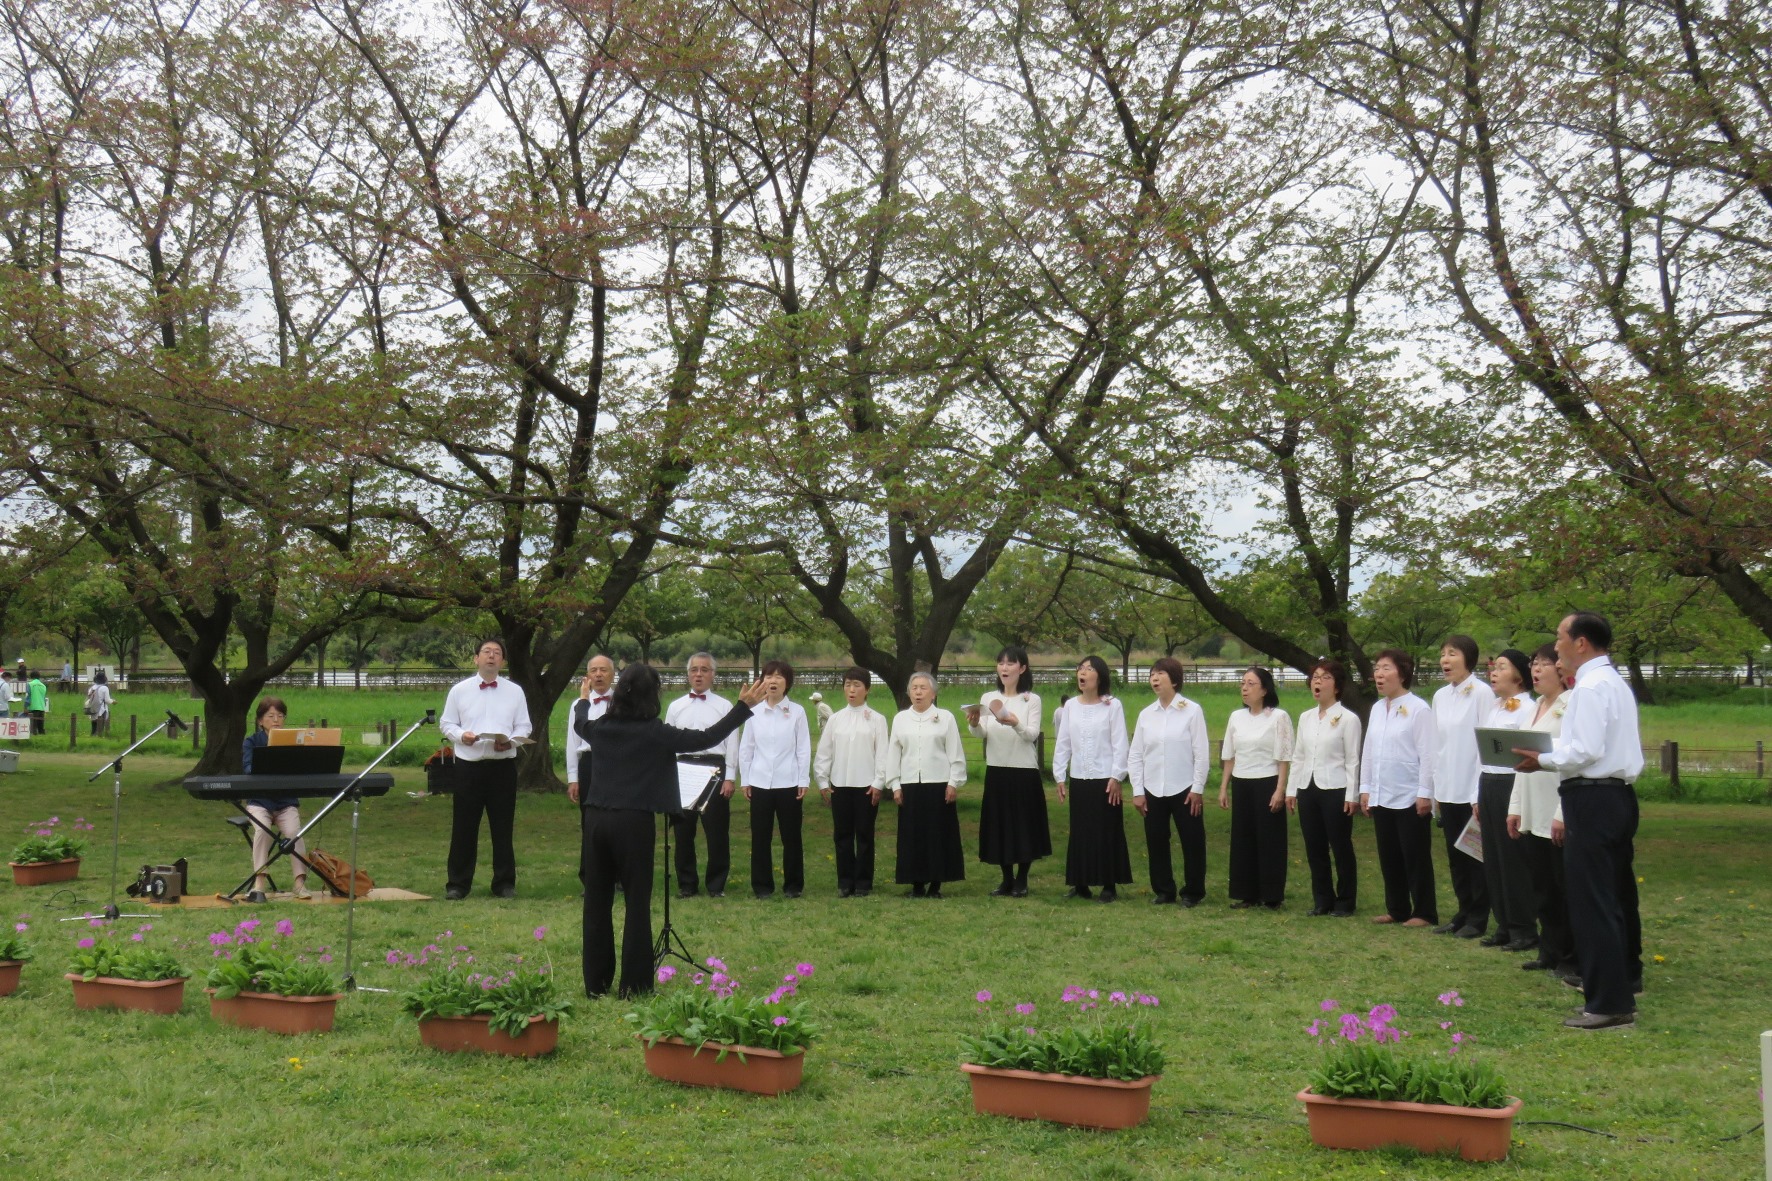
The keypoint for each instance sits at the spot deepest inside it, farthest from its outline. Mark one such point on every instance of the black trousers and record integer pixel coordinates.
(1504, 867)
(853, 816)
(1329, 844)
(771, 806)
(487, 786)
(716, 821)
(618, 849)
(1406, 861)
(1600, 822)
(1159, 813)
(1258, 842)
(38, 724)
(1468, 886)
(1544, 865)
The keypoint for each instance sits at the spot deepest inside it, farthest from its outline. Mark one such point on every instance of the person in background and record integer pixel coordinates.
(37, 703)
(1012, 827)
(1460, 706)
(633, 775)
(1535, 821)
(1089, 764)
(1257, 753)
(1397, 791)
(98, 703)
(6, 693)
(1168, 761)
(284, 813)
(925, 770)
(1598, 757)
(851, 774)
(699, 709)
(775, 761)
(481, 716)
(1508, 883)
(1323, 788)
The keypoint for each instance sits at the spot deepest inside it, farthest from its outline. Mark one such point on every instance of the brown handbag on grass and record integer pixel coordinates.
(337, 875)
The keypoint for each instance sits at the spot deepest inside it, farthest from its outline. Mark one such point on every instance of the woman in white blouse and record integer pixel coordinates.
(1323, 788)
(1535, 820)
(775, 759)
(925, 769)
(1257, 753)
(1168, 763)
(1091, 755)
(1012, 828)
(1397, 791)
(1504, 868)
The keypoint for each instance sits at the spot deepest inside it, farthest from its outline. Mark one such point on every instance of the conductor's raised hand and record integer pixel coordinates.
(752, 693)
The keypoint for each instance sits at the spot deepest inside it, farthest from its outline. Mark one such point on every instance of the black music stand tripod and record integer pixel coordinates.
(115, 766)
(669, 943)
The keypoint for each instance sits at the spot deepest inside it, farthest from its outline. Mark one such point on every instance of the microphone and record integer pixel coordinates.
(173, 720)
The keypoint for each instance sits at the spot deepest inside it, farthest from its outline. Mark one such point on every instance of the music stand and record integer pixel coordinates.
(697, 777)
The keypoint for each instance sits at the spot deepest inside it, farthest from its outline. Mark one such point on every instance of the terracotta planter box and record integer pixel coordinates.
(273, 1013)
(1474, 1133)
(458, 1035)
(9, 970)
(147, 996)
(1060, 1098)
(761, 1072)
(42, 873)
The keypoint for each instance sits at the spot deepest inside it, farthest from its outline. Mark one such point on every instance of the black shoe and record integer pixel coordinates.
(762, 895)
(845, 892)
(1521, 945)
(863, 891)
(1078, 892)
(934, 892)
(1595, 1021)
(1468, 932)
(1536, 965)
(1242, 904)
(1018, 892)
(504, 891)
(1448, 928)
(1498, 939)
(1572, 980)
(687, 891)
(1108, 894)
(1317, 912)
(1003, 891)
(454, 895)
(716, 893)
(918, 891)
(1162, 900)
(1187, 903)
(1273, 905)
(790, 893)
(256, 896)
(1341, 914)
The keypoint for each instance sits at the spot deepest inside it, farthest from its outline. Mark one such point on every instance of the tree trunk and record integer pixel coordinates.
(1639, 686)
(225, 706)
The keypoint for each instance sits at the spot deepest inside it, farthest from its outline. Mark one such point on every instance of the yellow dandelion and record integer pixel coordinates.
(294, 1063)
(1661, 959)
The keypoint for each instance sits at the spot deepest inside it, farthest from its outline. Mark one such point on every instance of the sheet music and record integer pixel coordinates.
(1496, 746)
(693, 781)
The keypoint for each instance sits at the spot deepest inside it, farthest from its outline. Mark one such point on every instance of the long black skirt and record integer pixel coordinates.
(929, 848)
(1097, 853)
(1012, 828)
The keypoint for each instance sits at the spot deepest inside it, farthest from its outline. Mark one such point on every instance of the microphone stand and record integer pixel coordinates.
(115, 766)
(350, 979)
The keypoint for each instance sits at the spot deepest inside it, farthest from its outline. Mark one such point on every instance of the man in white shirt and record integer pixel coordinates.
(850, 770)
(698, 709)
(481, 717)
(593, 702)
(1168, 760)
(1462, 704)
(1598, 755)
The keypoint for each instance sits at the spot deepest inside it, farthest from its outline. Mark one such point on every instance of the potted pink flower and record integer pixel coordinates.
(704, 1031)
(260, 982)
(15, 953)
(110, 973)
(513, 1008)
(49, 854)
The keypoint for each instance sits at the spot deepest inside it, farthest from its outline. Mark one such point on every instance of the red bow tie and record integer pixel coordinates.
(699, 696)
(492, 684)
(599, 700)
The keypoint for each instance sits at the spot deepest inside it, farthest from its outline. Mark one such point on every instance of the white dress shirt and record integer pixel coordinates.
(852, 749)
(1169, 752)
(925, 748)
(592, 707)
(1010, 746)
(1327, 752)
(1397, 763)
(1458, 711)
(776, 750)
(1536, 800)
(693, 712)
(1599, 739)
(471, 709)
(1504, 718)
(1091, 741)
(1258, 742)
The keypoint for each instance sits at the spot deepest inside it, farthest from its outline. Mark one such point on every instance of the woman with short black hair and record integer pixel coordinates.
(775, 760)
(1397, 790)
(1257, 754)
(1091, 754)
(1323, 787)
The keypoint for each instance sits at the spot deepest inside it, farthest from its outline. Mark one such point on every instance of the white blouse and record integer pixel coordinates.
(1010, 746)
(1170, 752)
(776, 750)
(1091, 741)
(1458, 711)
(852, 749)
(1397, 762)
(925, 748)
(1259, 743)
(1327, 753)
(1503, 718)
(1536, 800)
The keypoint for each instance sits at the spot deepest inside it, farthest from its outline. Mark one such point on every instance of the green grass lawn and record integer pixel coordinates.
(182, 1096)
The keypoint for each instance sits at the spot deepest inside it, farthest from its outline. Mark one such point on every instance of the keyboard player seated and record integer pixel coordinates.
(283, 814)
